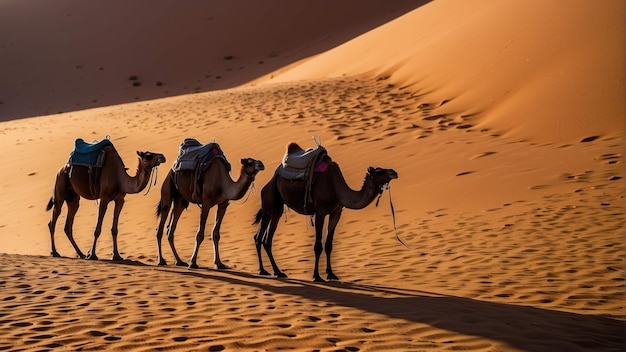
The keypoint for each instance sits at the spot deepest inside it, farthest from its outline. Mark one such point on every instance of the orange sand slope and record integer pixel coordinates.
(510, 197)
(548, 71)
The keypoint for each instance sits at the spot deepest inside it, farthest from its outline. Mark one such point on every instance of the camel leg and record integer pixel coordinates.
(333, 220)
(72, 209)
(177, 210)
(96, 233)
(267, 244)
(319, 224)
(119, 204)
(56, 211)
(163, 211)
(271, 210)
(204, 214)
(62, 193)
(258, 242)
(215, 235)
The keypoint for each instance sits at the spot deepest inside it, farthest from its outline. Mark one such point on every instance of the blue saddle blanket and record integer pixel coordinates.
(192, 155)
(88, 153)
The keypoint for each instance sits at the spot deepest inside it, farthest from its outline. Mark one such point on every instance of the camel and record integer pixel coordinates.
(329, 195)
(74, 182)
(217, 188)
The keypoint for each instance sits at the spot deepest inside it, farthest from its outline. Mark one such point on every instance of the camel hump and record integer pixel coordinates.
(293, 147)
(297, 158)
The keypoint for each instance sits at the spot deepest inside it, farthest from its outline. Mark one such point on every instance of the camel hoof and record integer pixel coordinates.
(162, 262)
(91, 257)
(55, 254)
(222, 267)
(117, 258)
(281, 275)
(181, 263)
(318, 279)
(332, 276)
(264, 272)
(193, 266)
(81, 256)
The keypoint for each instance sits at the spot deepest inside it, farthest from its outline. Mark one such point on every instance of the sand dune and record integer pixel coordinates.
(546, 71)
(512, 208)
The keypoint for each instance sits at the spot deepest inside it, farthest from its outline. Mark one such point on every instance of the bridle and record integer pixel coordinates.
(154, 174)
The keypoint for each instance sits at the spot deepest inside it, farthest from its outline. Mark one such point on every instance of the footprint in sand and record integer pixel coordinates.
(482, 155)
(22, 324)
(589, 139)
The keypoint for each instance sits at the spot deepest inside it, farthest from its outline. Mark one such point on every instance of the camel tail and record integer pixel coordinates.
(159, 209)
(50, 204)
(258, 216)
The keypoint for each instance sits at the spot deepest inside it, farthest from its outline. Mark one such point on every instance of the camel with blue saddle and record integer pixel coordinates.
(309, 182)
(201, 175)
(96, 171)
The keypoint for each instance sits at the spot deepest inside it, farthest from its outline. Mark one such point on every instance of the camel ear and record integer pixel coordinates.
(243, 161)
(139, 153)
(371, 170)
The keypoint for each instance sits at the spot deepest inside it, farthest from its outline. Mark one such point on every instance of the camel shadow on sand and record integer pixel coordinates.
(522, 327)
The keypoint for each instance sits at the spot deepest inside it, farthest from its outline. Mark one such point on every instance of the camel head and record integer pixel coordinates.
(381, 176)
(150, 160)
(251, 166)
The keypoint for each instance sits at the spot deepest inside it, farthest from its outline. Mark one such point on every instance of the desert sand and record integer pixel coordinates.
(504, 121)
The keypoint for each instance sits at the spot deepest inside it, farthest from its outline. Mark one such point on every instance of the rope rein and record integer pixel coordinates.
(393, 213)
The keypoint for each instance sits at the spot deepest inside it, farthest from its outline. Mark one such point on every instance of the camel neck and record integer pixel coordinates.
(235, 190)
(353, 199)
(135, 184)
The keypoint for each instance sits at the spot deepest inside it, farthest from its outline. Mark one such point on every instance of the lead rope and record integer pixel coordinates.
(393, 215)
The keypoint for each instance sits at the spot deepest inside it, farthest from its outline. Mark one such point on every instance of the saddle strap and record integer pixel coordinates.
(94, 177)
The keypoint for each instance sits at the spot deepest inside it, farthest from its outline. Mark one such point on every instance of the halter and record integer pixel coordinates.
(154, 173)
(252, 187)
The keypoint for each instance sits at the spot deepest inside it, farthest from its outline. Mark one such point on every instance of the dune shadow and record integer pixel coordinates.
(211, 62)
(522, 327)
